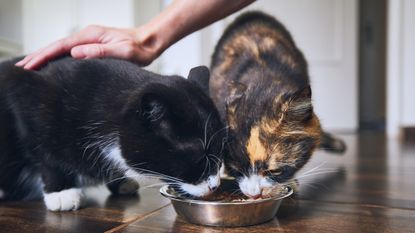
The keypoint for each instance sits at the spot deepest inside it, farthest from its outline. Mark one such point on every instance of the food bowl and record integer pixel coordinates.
(226, 213)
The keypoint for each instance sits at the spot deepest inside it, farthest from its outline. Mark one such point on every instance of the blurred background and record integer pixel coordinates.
(361, 53)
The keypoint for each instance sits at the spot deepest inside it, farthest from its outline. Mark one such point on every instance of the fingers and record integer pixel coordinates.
(90, 34)
(28, 58)
(41, 56)
(88, 51)
(93, 42)
(118, 50)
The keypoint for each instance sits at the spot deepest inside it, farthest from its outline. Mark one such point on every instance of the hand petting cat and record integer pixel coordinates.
(140, 45)
(97, 42)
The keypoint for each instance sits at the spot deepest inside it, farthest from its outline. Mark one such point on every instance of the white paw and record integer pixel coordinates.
(128, 187)
(68, 199)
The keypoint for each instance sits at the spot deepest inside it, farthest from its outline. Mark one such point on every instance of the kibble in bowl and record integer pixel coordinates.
(227, 206)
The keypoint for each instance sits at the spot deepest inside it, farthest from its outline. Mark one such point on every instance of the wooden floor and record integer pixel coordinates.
(369, 189)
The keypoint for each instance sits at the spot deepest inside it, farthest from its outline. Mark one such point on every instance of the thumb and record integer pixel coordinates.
(92, 51)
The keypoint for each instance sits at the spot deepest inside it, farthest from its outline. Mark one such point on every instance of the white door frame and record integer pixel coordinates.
(394, 68)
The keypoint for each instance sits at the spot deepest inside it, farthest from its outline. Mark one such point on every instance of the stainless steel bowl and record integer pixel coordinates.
(229, 214)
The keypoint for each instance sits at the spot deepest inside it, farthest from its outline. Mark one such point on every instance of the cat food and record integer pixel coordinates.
(235, 195)
(225, 196)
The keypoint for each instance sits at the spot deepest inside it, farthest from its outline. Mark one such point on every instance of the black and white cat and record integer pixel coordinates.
(104, 120)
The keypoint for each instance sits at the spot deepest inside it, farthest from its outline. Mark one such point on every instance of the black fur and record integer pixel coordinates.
(200, 76)
(57, 125)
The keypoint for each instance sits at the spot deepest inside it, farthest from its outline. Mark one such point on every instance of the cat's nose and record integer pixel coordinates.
(213, 182)
(254, 193)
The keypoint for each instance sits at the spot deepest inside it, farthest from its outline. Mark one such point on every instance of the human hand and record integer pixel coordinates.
(94, 41)
(143, 44)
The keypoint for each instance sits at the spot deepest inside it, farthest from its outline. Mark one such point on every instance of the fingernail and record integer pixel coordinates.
(20, 63)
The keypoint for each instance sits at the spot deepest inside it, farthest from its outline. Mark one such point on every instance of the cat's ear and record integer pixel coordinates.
(236, 92)
(153, 103)
(297, 106)
(200, 76)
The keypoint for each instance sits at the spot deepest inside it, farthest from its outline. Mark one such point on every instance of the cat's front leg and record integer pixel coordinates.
(59, 191)
(123, 186)
(64, 200)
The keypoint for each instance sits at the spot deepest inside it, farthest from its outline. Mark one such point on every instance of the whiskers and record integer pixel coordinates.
(305, 178)
(157, 185)
(317, 170)
(214, 135)
(139, 174)
(206, 142)
(215, 159)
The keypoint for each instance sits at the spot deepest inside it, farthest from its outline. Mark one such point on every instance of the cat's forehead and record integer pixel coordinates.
(255, 104)
(255, 147)
(258, 150)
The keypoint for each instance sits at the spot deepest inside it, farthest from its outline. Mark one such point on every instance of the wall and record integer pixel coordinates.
(408, 64)
(11, 20)
(10, 28)
(45, 21)
(400, 66)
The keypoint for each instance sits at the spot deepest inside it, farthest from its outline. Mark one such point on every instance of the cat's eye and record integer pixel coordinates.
(276, 172)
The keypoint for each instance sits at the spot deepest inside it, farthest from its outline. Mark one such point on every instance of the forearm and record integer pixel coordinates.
(183, 17)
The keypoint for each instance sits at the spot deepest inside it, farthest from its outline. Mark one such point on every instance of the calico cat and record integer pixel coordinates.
(103, 120)
(260, 85)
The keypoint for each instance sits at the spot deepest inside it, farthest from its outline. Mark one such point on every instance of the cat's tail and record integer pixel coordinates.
(332, 144)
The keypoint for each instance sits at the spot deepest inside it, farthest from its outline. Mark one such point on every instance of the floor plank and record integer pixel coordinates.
(101, 214)
(32, 217)
(301, 216)
(369, 189)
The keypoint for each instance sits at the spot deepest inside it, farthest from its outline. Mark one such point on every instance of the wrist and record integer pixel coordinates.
(149, 40)
(165, 29)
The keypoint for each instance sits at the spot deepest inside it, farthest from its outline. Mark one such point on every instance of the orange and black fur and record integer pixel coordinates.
(260, 85)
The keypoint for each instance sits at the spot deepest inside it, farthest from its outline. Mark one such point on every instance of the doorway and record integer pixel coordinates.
(372, 65)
